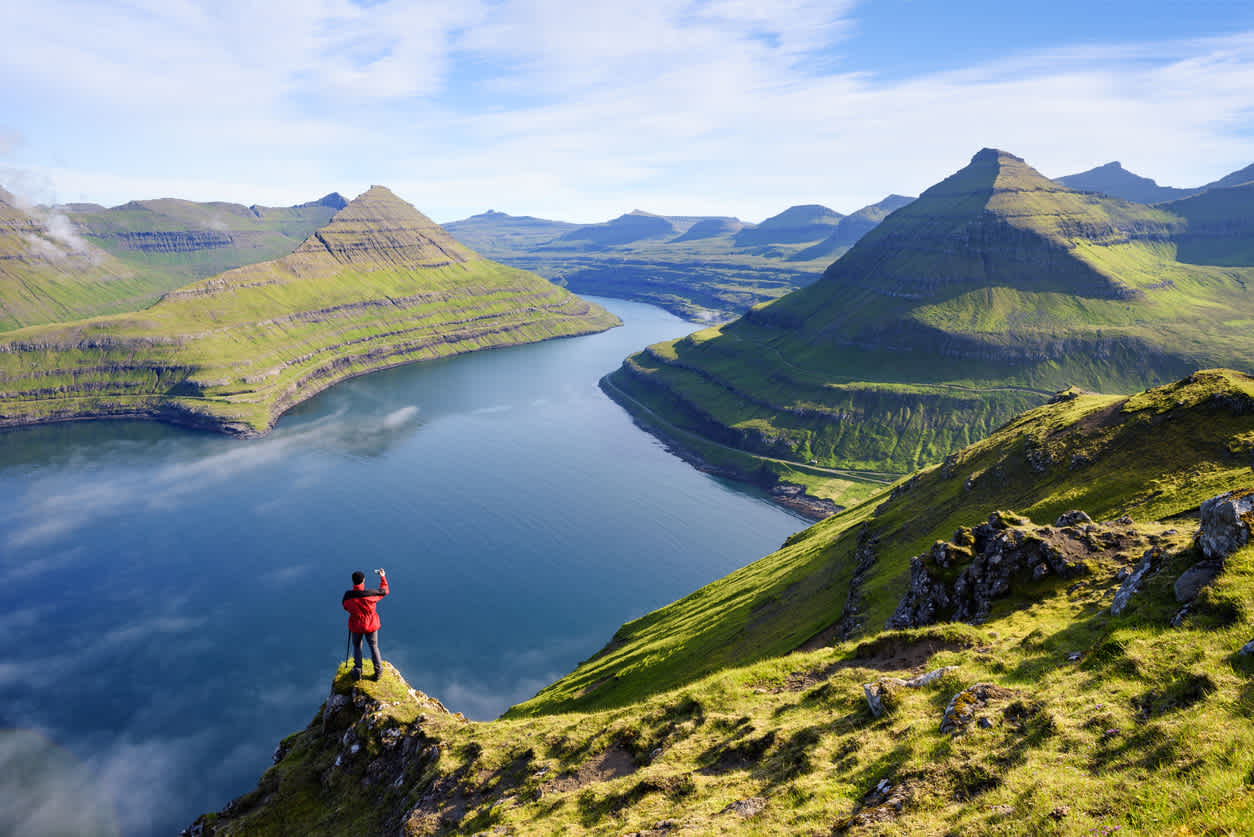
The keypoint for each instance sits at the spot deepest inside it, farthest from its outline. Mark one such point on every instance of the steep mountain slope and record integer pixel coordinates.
(49, 273)
(1114, 180)
(379, 286)
(185, 240)
(1237, 178)
(994, 289)
(851, 228)
(1104, 687)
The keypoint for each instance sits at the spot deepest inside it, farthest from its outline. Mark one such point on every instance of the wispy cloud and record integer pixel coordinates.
(582, 111)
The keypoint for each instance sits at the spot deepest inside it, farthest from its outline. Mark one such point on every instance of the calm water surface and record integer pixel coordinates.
(170, 599)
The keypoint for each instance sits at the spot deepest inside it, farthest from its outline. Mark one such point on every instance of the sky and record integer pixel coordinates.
(581, 111)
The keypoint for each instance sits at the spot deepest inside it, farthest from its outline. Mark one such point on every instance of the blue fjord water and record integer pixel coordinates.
(170, 599)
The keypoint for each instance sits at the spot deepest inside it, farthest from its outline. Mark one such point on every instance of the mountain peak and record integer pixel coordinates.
(378, 227)
(993, 155)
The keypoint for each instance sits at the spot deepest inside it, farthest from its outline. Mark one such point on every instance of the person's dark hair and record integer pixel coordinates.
(359, 577)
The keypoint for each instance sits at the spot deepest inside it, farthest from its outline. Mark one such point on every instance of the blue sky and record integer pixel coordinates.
(573, 110)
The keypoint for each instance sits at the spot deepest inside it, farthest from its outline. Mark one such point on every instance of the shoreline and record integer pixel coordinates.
(791, 496)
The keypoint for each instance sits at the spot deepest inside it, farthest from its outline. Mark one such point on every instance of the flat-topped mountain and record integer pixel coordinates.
(625, 229)
(795, 225)
(994, 289)
(378, 286)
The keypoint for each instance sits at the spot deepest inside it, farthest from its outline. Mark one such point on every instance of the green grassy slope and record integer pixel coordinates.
(994, 289)
(1152, 456)
(378, 286)
(49, 273)
(184, 240)
(698, 720)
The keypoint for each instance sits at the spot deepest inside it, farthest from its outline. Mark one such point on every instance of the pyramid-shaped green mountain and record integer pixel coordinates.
(993, 290)
(378, 286)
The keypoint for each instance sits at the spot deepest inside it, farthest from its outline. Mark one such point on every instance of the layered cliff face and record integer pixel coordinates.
(379, 286)
(185, 240)
(994, 289)
(48, 272)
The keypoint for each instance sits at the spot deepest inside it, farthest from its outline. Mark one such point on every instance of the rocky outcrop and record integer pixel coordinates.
(1226, 522)
(958, 580)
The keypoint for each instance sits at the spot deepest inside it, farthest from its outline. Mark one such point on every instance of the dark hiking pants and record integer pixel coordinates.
(372, 639)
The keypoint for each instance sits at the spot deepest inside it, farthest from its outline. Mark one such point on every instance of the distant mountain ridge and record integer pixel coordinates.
(1114, 180)
(705, 268)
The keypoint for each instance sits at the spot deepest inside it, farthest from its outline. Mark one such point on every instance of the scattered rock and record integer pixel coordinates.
(1060, 813)
(1226, 523)
(1149, 562)
(880, 805)
(1247, 650)
(984, 723)
(1192, 580)
(963, 706)
(1075, 517)
(879, 695)
(746, 808)
(1075, 656)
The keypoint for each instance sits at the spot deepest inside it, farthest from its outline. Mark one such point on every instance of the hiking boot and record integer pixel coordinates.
(375, 676)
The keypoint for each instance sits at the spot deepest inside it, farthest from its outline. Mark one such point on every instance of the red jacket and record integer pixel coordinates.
(360, 602)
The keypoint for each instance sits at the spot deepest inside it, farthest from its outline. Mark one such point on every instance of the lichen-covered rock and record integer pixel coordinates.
(963, 706)
(1226, 522)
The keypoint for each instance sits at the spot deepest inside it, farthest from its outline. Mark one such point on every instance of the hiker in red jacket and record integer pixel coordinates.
(362, 619)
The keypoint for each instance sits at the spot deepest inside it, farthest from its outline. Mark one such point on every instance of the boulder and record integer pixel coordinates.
(1075, 517)
(1192, 580)
(1226, 523)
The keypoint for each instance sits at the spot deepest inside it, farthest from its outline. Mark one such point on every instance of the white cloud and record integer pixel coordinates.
(583, 111)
